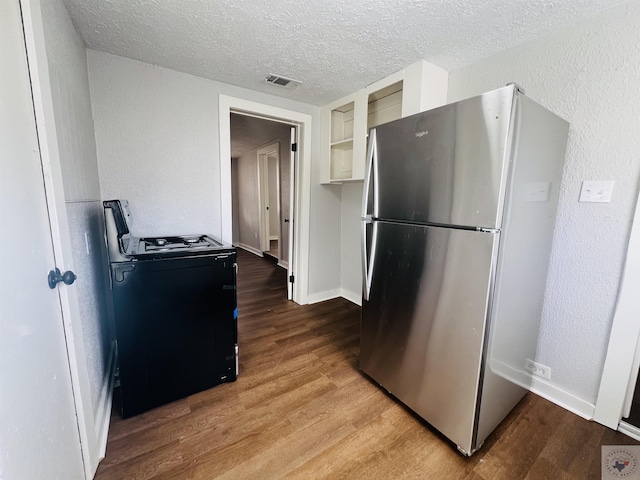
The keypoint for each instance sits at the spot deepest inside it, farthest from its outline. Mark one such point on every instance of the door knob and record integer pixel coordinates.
(56, 277)
(286, 220)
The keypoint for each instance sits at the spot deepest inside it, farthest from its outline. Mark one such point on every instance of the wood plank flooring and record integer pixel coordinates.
(301, 410)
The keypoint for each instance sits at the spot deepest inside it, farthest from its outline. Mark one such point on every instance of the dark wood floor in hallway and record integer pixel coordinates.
(301, 409)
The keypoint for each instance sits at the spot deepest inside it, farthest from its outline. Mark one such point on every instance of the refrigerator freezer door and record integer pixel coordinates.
(422, 331)
(445, 166)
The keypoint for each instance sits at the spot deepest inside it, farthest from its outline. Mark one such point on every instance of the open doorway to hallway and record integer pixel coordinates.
(261, 186)
(297, 278)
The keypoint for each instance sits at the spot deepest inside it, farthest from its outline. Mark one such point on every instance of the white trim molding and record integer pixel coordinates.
(103, 416)
(250, 249)
(323, 296)
(621, 366)
(561, 398)
(352, 296)
(302, 210)
(629, 430)
(337, 293)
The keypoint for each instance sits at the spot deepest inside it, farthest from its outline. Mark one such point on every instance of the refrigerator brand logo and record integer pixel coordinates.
(422, 134)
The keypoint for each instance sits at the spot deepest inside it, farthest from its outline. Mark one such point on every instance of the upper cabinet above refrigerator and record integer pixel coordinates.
(346, 122)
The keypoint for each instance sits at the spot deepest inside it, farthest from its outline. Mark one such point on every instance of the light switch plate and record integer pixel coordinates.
(596, 191)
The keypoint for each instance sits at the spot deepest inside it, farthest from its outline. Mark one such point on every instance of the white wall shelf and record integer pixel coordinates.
(346, 122)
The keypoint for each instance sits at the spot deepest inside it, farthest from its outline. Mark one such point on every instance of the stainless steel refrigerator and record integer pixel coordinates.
(458, 217)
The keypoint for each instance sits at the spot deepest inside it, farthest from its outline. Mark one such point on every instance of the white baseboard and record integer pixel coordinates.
(351, 296)
(323, 296)
(563, 399)
(337, 293)
(251, 249)
(273, 237)
(284, 265)
(629, 430)
(103, 416)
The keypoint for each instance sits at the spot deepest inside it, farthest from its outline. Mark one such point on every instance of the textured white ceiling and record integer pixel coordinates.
(333, 46)
(249, 133)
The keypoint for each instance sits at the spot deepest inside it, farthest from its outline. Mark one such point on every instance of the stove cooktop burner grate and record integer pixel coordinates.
(176, 243)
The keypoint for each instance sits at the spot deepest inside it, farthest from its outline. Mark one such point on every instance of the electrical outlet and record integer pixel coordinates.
(538, 369)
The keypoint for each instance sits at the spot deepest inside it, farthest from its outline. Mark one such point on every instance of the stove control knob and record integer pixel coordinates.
(56, 277)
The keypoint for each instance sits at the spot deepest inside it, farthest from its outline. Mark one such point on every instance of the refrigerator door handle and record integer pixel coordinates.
(368, 211)
(368, 258)
(363, 236)
(370, 190)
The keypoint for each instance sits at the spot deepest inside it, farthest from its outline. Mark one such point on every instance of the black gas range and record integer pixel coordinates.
(124, 247)
(175, 310)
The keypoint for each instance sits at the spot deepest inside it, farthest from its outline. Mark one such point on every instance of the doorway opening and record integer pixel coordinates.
(261, 186)
(300, 192)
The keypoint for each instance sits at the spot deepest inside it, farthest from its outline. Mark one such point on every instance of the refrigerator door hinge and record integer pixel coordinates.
(294, 147)
(291, 279)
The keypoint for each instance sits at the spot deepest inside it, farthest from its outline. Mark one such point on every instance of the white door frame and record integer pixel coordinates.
(293, 210)
(301, 207)
(621, 363)
(90, 438)
(264, 193)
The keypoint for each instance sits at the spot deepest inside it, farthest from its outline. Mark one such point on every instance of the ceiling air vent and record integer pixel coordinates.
(282, 81)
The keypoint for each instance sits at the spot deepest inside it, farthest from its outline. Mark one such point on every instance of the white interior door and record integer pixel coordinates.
(263, 186)
(40, 436)
(292, 197)
(274, 195)
(265, 196)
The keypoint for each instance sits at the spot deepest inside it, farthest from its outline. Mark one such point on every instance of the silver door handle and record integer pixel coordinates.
(365, 269)
(368, 259)
(369, 176)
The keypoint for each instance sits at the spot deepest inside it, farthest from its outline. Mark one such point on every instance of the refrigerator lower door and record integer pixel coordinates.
(423, 326)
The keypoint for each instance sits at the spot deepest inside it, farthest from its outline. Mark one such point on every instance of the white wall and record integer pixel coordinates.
(589, 74)
(157, 142)
(67, 61)
(351, 256)
(248, 214)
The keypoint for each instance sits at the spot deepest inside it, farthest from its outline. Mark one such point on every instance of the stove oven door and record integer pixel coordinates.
(176, 327)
